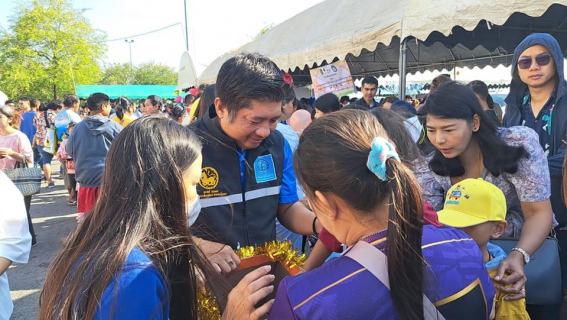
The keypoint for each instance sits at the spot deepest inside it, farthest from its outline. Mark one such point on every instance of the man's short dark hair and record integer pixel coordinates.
(408, 97)
(345, 99)
(247, 77)
(370, 80)
(97, 100)
(55, 105)
(390, 99)
(34, 103)
(354, 106)
(70, 100)
(8, 102)
(24, 99)
(403, 108)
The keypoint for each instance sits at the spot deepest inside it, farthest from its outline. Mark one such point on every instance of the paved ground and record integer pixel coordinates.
(53, 219)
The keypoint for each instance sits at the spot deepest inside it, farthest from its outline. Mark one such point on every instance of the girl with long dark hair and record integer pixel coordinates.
(469, 145)
(133, 257)
(367, 198)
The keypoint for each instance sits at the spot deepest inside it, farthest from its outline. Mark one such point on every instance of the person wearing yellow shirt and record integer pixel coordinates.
(125, 109)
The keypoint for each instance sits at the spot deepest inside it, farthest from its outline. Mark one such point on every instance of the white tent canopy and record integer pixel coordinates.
(186, 77)
(367, 34)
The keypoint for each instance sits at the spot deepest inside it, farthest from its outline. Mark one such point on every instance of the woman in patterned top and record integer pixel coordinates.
(469, 145)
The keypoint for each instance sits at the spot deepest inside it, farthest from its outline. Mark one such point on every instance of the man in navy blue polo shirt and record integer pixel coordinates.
(247, 177)
(368, 89)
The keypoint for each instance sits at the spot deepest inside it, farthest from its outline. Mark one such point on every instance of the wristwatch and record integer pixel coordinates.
(524, 253)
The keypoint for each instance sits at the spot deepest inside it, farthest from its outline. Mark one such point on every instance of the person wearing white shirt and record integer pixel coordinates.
(15, 238)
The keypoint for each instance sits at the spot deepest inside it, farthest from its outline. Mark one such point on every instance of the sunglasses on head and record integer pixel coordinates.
(541, 60)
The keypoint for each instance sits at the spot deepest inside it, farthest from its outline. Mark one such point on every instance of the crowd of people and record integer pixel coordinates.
(409, 193)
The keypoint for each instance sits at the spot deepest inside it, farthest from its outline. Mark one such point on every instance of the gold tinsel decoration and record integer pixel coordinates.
(281, 251)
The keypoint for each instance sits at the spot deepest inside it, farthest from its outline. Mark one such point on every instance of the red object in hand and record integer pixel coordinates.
(330, 241)
(429, 217)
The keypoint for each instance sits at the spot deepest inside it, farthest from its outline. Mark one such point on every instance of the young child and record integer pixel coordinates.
(479, 208)
(68, 165)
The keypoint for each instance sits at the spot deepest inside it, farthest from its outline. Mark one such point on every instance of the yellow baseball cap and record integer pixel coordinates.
(471, 202)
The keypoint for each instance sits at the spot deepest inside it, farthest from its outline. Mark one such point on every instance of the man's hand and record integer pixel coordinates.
(220, 256)
(247, 293)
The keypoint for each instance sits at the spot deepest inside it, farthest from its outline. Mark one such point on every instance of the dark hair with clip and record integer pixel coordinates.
(332, 158)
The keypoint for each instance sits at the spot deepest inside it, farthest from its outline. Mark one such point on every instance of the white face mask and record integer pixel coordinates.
(193, 209)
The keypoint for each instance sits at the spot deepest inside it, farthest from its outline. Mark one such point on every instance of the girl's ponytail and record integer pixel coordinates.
(403, 247)
(121, 106)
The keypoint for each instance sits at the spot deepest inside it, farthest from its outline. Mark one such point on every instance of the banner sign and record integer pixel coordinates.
(334, 77)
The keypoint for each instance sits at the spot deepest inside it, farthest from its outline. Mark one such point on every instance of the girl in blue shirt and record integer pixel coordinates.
(133, 256)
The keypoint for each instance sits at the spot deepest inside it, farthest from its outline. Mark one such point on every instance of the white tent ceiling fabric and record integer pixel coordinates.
(370, 31)
(186, 77)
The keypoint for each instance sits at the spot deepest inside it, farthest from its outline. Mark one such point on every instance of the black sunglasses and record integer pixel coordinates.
(541, 60)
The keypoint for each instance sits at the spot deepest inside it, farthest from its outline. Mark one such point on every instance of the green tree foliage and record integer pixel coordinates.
(155, 73)
(145, 73)
(117, 73)
(48, 46)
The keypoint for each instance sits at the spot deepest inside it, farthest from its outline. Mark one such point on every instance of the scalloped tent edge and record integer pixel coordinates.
(367, 34)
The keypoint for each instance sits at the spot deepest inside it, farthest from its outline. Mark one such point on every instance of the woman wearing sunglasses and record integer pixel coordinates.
(538, 99)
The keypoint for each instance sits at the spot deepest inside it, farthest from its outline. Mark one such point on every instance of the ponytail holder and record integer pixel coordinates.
(380, 150)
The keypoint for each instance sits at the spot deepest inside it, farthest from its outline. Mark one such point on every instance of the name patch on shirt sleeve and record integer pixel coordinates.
(264, 169)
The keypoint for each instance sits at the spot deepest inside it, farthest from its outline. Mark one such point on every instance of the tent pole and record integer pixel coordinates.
(402, 68)
(186, 32)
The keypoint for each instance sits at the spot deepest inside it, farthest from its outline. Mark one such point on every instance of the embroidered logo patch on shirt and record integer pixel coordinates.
(209, 178)
(264, 169)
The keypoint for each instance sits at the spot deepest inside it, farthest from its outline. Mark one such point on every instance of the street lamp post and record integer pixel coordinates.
(129, 42)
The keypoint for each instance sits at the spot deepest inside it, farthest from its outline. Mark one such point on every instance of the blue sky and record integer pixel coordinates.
(215, 26)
